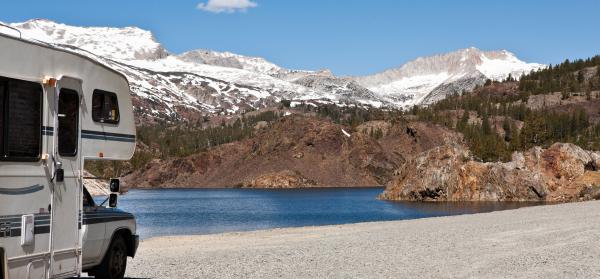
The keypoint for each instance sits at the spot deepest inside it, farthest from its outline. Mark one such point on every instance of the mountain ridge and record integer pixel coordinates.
(205, 82)
(424, 75)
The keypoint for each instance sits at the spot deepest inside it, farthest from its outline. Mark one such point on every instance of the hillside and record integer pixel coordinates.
(545, 128)
(299, 151)
(501, 117)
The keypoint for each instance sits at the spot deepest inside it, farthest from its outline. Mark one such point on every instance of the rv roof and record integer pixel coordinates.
(50, 46)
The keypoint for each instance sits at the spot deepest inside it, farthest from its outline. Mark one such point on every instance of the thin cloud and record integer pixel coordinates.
(226, 6)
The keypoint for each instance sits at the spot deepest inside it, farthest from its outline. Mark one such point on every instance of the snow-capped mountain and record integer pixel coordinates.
(129, 43)
(200, 82)
(231, 60)
(428, 79)
(169, 86)
(344, 88)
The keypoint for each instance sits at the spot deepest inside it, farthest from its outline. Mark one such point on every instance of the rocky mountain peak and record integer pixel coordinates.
(127, 43)
(440, 73)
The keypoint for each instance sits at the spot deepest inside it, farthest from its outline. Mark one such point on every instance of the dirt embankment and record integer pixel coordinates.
(299, 151)
(563, 172)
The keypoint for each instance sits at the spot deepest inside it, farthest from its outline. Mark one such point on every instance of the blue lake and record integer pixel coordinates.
(206, 211)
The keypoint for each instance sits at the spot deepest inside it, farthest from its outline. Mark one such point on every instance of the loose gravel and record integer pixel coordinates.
(553, 241)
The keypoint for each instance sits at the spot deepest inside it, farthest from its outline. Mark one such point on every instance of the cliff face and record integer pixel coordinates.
(563, 172)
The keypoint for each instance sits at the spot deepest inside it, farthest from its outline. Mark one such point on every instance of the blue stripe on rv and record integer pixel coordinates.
(97, 135)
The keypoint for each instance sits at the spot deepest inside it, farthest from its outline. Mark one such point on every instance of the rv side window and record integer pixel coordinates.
(68, 120)
(20, 120)
(105, 107)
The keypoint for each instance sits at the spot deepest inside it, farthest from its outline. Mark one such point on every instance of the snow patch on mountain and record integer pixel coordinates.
(497, 66)
(231, 60)
(411, 87)
(416, 80)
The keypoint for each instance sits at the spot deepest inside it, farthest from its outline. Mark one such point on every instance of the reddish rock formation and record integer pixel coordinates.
(563, 172)
(298, 151)
(282, 179)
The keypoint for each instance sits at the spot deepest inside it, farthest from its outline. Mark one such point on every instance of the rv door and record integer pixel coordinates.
(66, 208)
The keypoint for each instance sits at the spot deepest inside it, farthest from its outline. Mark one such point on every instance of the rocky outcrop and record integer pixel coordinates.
(282, 179)
(563, 172)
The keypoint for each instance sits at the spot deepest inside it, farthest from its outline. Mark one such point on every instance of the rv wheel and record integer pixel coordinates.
(115, 261)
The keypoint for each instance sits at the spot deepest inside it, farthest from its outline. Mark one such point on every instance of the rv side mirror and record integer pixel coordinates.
(115, 186)
(112, 200)
(60, 175)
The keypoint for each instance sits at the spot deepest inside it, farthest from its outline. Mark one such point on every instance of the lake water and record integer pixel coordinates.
(205, 211)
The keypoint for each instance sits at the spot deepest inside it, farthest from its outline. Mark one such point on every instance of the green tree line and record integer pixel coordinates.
(539, 127)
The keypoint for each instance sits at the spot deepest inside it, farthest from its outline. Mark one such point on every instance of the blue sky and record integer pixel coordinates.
(350, 37)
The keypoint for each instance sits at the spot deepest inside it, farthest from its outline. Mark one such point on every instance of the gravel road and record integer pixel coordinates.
(554, 241)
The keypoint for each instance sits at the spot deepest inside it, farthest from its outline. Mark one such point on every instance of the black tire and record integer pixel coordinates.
(114, 264)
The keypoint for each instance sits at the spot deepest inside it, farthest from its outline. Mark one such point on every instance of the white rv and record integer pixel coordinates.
(58, 109)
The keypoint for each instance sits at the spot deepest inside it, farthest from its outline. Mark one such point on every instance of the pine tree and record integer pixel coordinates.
(515, 143)
(510, 78)
(588, 93)
(485, 125)
(506, 125)
(565, 94)
(464, 121)
(534, 131)
(580, 77)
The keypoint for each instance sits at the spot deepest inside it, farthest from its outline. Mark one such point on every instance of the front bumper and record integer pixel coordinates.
(135, 242)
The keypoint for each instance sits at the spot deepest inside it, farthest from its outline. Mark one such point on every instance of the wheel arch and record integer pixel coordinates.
(127, 235)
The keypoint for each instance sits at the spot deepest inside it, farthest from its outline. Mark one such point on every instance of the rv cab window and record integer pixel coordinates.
(88, 201)
(20, 120)
(105, 107)
(68, 117)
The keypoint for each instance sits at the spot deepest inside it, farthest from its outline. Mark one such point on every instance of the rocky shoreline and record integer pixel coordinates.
(561, 173)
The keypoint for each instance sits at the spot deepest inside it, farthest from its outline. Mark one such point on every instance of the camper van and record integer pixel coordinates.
(57, 110)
